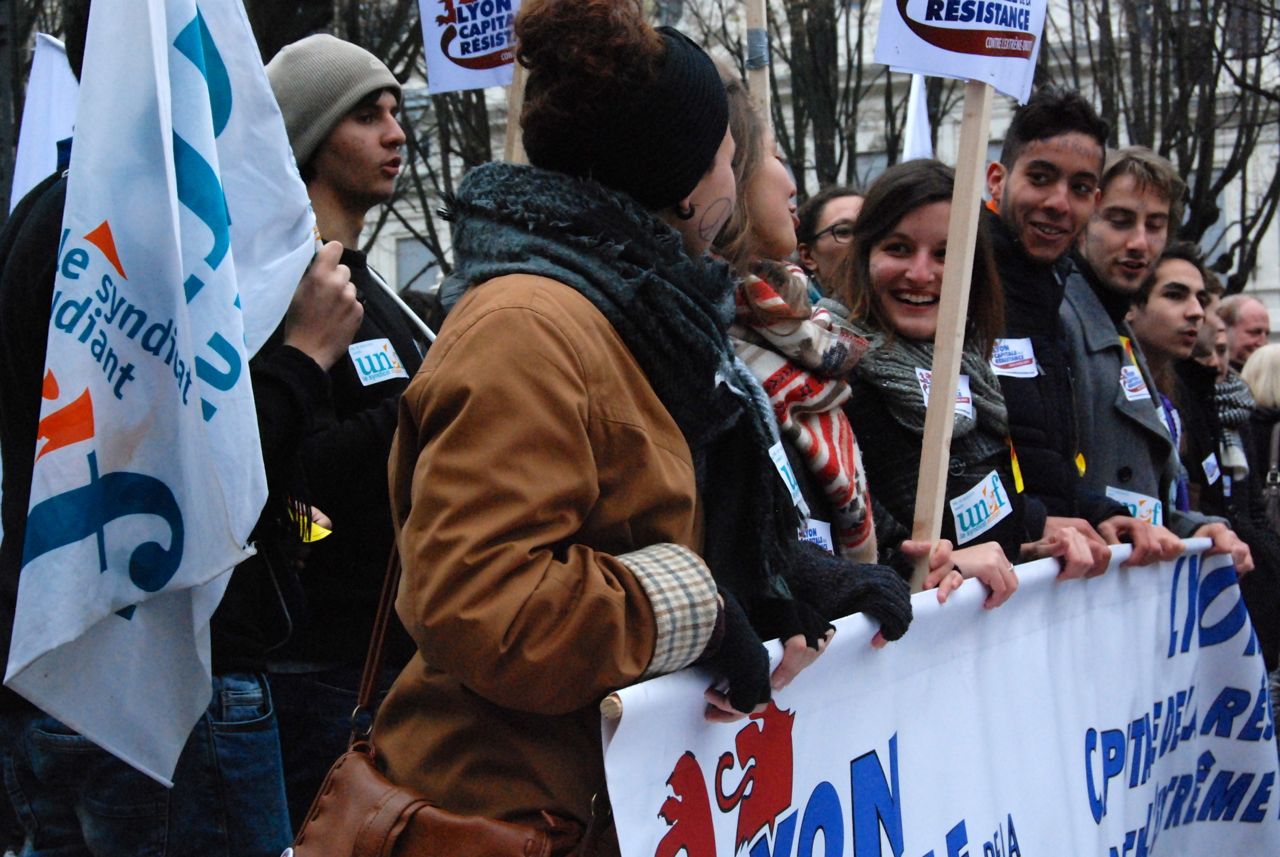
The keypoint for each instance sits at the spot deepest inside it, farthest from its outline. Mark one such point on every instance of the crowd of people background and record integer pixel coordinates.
(587, 474)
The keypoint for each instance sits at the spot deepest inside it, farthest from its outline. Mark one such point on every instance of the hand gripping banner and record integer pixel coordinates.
(1121, 716)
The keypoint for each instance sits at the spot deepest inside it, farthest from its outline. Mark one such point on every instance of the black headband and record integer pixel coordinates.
(655, 143)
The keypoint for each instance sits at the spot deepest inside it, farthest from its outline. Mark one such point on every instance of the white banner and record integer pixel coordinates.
(1125, 715)
(992, 41)
(48, 117)
(468, 43)
(183, 207)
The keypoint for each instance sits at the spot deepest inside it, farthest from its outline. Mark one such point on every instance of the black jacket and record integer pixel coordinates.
(343, 467)
(891, 455)
(1042, 409)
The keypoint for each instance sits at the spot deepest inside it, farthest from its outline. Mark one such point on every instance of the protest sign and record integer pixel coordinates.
(48, 117)
(991, 41)
(185, 231)
(468, 43)
(1122, 715)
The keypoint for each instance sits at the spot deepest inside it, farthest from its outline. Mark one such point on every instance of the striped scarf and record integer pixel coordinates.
(801, 356)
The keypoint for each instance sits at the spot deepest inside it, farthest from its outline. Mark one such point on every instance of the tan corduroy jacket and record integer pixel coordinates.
(548, 525)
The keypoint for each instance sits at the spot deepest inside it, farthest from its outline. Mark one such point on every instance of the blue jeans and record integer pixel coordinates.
(76, 800)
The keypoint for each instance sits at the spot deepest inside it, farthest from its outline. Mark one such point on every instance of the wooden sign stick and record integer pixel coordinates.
(948, 343)
(513, 148)
(758, 72)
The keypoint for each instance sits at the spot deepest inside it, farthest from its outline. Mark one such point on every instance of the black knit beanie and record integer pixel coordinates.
(655, 143)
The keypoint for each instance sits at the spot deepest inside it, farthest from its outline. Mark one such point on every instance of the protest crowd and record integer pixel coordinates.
(668, 416)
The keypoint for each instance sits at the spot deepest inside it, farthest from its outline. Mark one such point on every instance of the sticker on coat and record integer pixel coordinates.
(376, 360)
(1211, 470)
(1014, 358)
(1133, 384)
(1140, 506)
(818, 533)
(980, 508)
(779, 456)
(964, 397)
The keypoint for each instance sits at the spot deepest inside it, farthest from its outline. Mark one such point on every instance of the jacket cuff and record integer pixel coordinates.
(683, 596)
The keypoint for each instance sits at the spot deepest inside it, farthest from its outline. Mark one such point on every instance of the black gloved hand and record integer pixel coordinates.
(783, 618)
(740, 657)
(838, 588)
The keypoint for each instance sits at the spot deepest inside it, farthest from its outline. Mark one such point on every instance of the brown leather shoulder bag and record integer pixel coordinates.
(360, 813)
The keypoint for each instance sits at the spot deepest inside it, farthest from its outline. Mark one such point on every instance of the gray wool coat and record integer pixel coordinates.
(1125, 443)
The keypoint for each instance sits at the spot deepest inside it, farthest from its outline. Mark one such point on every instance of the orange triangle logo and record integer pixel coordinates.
(102, 239)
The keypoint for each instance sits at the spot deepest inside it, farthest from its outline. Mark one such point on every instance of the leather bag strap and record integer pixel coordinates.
(362, 717)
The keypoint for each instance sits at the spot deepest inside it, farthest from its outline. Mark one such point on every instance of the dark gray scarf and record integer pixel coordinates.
(673, 313)
(891, 365)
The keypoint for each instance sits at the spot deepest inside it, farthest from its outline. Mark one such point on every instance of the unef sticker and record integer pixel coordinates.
(980, 508)
(964, 398)
(1140, 506)
(375, 360)
(1014, 358)
(1133, 384)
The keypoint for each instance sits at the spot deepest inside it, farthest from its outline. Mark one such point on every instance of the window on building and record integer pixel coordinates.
(416, 266)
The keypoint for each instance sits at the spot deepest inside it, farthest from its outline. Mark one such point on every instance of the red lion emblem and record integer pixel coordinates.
(688, 812)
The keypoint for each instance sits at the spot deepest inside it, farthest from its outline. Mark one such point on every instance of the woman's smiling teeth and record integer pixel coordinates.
(915, 298)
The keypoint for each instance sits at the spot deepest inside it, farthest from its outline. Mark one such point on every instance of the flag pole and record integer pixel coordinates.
(948, 346)
(758, 58)
(513, 148)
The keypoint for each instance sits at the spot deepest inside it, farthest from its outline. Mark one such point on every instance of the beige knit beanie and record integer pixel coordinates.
(317, 80)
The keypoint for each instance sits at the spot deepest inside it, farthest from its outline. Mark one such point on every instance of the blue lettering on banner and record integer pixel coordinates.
(1187, 621)
(96, 326)
(195, 42)
(74, 515)
(875, 816)
(201, 191)
(781, 841)
(822, 815)
(875, 802)
(1208, 792)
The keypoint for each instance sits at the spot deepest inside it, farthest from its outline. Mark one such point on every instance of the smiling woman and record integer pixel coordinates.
(892, 279)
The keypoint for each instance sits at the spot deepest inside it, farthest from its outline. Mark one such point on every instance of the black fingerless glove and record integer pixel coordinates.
(783, 618)
(740, 657)
(837, 587)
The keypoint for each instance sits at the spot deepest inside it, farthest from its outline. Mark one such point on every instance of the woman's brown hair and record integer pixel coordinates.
(747, 129)
(899, 191)
(583, 57)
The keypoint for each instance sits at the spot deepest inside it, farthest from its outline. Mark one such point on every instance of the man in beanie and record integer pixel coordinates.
(340, 104)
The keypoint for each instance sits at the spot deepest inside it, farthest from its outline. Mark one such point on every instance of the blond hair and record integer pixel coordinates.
(1262, 373)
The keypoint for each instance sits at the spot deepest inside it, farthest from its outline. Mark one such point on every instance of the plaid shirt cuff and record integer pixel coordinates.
(683, 597)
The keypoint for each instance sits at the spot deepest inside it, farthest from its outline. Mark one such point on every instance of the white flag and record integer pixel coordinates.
(48, 116)
(185, 231)
(916, 142)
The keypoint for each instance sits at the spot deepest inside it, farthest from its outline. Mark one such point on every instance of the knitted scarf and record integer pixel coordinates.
(672, 312)
(891, 365)
(1234, 403)
(801, 355)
